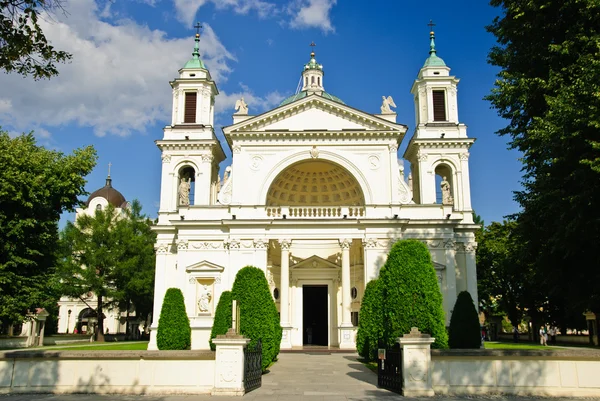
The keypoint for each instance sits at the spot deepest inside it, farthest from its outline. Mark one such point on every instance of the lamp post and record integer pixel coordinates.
(68, 320)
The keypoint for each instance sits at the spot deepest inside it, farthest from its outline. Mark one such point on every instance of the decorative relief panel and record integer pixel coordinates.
(374, 162)
(182, 245)
(256, 162)
(206, 245)
(166, 158)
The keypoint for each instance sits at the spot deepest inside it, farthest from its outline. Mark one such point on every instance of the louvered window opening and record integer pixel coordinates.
(439, 106)
(190, 108)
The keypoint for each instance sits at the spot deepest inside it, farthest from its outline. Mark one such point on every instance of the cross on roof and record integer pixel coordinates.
(109, 164)
(197, 27)
(312, 44)
(431, 25)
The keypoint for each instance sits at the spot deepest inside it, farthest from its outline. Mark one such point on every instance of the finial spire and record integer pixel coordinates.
(431, 37)
(312, 52)
(108, 179)
(196, 53)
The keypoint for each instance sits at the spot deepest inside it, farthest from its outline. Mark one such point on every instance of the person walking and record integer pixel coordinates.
(543, 336)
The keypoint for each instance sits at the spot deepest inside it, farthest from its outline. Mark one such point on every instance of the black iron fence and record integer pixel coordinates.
(253, 367)
(389, 369)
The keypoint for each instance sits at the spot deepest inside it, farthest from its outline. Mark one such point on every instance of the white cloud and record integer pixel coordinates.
(117, 81)
(187, 9)
(225, 102)
(312, 14)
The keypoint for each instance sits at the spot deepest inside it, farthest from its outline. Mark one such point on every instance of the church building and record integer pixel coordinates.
(315, 196)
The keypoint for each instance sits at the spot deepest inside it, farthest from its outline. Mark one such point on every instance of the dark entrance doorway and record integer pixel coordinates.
(314, 314)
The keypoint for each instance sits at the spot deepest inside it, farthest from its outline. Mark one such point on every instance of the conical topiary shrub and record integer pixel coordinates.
(465, 331)
(174, 332)
(370, 321)
(222, 321)
(411, 294)
(258, 313)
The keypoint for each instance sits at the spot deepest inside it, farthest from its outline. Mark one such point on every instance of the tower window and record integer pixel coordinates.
(319, 80)
(190, 107)
(305, 81)
(439, 105)
(98, 207)
(312, 79)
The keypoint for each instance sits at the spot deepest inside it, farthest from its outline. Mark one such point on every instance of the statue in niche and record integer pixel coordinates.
(204, 298)
(385, 106)
(241, 108)
(446, 195)
(184, 190)
(224, 195)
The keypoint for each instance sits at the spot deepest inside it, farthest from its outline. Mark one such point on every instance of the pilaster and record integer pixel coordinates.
(285, 294)
(450, 295)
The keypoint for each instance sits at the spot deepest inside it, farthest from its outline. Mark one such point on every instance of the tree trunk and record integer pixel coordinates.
(100, 331)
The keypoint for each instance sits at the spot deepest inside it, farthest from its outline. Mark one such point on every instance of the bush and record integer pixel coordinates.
(222, 321)
(411, 294)
(174, 331)
(258, 313)
(370, 321)
(464, 323)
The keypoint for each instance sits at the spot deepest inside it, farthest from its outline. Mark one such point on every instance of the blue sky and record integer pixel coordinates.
(115, 93)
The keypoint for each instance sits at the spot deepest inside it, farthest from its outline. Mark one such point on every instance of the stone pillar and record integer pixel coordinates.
(347, 340)
(284, 292)
(416, 364)
(229, 364)
(42, 328)
(471, 270)
(450, 295)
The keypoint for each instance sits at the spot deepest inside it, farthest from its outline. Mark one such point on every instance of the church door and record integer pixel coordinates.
(314, 315)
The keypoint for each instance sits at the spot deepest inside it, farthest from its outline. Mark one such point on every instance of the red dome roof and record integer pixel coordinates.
(107, 192)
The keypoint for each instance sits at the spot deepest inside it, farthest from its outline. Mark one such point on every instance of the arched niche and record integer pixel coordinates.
(186, 182)
(444, 175)
(315, 183)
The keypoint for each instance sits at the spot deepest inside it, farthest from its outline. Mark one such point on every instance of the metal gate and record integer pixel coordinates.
(253, 367)
(389, 370)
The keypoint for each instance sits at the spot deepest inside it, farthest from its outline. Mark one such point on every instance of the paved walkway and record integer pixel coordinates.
(302, 377)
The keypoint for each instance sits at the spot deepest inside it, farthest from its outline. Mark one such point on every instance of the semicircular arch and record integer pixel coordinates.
(327, 156)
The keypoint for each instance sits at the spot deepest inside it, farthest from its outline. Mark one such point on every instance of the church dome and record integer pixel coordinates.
(303, 94)
(107, 192)
(315, 183)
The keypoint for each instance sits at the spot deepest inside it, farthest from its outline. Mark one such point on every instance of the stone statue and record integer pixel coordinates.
(446, 195)
(204, 298)
(410, 181)
(385, 106)
(226, 189)
(241, 107)
(184, 191)
(226, 175)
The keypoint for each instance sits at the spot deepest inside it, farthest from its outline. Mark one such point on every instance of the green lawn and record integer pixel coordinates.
(133, 346)
(502, 345)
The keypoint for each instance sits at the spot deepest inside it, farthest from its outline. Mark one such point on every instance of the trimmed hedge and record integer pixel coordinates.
(222, 321)
(370, 321)
(465, 331)
(411, 294)
(258, 313)
(174, 332)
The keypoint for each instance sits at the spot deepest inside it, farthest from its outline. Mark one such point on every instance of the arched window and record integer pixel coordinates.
(312, 79)
(319, 80)
(305, 81)
(98, 207)
(186, 186)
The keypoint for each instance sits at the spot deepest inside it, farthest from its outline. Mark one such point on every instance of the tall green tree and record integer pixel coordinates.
(111, 255)
(36, 186)
(548, 89)
(24, 48)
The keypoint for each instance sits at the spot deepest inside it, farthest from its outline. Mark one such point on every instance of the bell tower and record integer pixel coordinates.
(191, 152)
(439, 149)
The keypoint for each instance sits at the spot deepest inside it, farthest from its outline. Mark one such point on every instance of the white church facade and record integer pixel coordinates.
(315, 196)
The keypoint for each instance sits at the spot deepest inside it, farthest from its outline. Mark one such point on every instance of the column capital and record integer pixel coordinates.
(345, 243)
(285, 244)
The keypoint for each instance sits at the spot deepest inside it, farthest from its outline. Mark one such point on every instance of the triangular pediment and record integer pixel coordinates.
(204, 267)
(315, 262)
(313, 113)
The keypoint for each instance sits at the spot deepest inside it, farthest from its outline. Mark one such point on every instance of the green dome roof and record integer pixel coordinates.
(195, 62)
(433, 60)
(303, 94)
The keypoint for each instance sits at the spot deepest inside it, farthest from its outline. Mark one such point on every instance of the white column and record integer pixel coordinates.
(347, 331)
(285, 294)
(450, 295)
(471, 268)
(160, 277)
(203, 181)
(166, 194)
(465, 188)
(394, 172)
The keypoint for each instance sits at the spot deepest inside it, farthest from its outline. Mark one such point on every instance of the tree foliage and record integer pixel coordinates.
(370, 322)
(464, 331)
(174, 332)
(109, 254)
(222, 320)
(36, 186)
(24, 48)
(258, 314)
(548, 91)
(411, 295)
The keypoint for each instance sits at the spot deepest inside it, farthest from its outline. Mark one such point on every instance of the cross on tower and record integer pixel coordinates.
(109, 164)
(312, 44)
(431, 25)
(198, 27)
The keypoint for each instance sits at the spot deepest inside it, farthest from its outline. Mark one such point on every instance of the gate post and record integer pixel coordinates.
(416, 364)
(229, 364)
